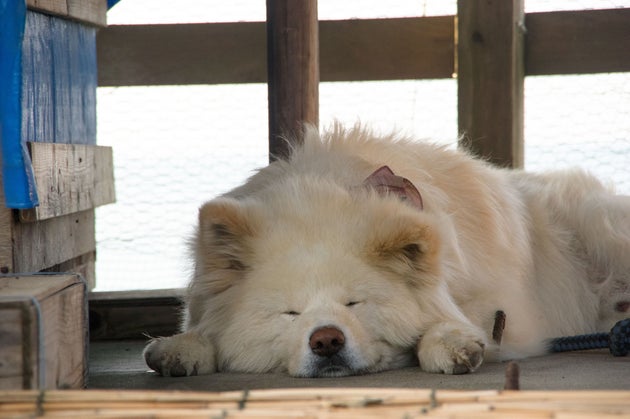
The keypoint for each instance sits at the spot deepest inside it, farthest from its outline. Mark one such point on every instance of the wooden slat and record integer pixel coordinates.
(50, 242)
(182, 54)
(53, 7)
(93, 12)
(70, 178)
(83, 265)
(216, 53)
(588, 41)
(292, 71)
(135, 314)
(6, 236)
(379, 49)
(51, 332)
(330, 402)
(490, 75)
(387, 49)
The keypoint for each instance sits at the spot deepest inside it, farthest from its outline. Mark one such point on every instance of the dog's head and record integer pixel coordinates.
(314, 279)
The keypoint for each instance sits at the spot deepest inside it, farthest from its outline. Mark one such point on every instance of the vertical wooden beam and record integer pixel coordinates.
(293, 70)
(490, 73)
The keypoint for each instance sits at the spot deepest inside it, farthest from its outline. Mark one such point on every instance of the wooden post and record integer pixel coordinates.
(490, 73)
(293, 71)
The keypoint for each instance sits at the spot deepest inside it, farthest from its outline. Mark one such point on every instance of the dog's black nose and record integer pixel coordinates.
(327, 341)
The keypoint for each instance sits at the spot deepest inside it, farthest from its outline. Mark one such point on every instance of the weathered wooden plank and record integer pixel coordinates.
(83, 265)
(53, 7)
(490, 76)
(89, 11)
(387, 49)
(135, 314)
(216, 53)
(93, 12)
(44, 332)
(59, 53)
(292, 71)
(586, 41)
(182, 54)
(50, 242)
(70, 178)
(11, 354)
(6, 235)
(378, 49)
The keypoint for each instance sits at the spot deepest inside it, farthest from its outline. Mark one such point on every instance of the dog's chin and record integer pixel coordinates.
(337, 366)
(334, 371)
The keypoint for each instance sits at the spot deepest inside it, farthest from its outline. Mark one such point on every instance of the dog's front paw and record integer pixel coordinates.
(180, 355)
(451, 349)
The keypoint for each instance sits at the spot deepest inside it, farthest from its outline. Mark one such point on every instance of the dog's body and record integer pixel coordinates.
(361, 254)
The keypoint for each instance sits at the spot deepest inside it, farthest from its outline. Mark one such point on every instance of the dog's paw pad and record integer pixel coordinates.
(169, 358)
(451, 350)
(467, 359)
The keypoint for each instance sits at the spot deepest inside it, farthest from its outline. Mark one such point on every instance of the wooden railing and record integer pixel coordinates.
(488, 48)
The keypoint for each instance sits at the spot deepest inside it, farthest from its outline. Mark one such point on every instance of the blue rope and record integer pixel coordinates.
(618, 340)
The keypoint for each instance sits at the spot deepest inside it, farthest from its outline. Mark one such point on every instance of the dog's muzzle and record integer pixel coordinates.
(328, 344)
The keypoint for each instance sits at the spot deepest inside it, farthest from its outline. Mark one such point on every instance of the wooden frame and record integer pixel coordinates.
(516, 44)
(490, 79)
(70, 178)
(292, 71)
(92, 12)
(353, 50)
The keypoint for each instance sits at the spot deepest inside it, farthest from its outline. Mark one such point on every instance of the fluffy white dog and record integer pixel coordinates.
(364, 253)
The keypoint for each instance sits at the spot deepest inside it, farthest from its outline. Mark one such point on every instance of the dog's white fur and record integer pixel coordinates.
(304, 246)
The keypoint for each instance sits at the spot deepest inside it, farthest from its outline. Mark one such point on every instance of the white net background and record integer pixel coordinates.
(176, 147)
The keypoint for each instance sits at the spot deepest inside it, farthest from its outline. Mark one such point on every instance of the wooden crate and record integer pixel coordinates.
(43, 332)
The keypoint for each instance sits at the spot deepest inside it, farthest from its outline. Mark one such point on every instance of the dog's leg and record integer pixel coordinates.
(451, 348)
(181, 355)
(605, 230)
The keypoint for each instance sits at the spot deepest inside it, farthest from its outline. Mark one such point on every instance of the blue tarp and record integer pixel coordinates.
(17, 172)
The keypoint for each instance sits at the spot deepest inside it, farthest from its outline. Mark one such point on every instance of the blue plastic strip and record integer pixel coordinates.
(111, 3)
(17, 172)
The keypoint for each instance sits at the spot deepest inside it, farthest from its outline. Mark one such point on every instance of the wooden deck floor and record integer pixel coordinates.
(119, 365)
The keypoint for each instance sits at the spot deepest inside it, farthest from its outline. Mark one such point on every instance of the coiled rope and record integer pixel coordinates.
(618, 340)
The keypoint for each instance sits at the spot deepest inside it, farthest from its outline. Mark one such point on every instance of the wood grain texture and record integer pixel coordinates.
(47, 307)
(586, 41)
(387, 49)
(11, 353)
(50, 242)
(92, 12)
(135, 314)
(353, 50)
(292, 71)
(6, 235)
(58, 81)
(83, 265)
(490, 79)
(217, 53)
(70, 178)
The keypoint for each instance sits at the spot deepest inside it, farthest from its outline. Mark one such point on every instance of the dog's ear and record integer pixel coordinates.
(225, 229)
(385, 182)
(406, 247)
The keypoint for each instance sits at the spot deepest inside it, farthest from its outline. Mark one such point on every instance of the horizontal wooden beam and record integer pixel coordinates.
(578, 42)
(70, 178)
(353, 50)
(387, 49)
(135, 314)
(216, 53)
(92, 12)
(44, 244)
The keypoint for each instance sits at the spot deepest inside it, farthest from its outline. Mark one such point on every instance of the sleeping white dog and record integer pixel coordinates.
(364, 253)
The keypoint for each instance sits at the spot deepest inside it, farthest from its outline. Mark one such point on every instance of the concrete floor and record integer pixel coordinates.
(119, 365)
